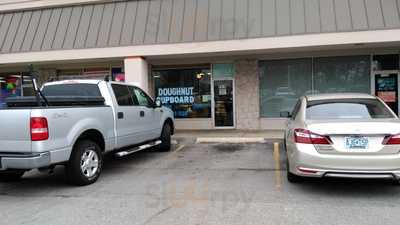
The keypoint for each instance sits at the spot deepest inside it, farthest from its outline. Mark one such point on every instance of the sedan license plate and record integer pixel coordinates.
(356, 142)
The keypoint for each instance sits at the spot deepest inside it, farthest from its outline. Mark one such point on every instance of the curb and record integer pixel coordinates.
(233, 140)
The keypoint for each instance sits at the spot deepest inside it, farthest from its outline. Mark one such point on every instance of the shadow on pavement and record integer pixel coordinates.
(349, 187)
(34, 182)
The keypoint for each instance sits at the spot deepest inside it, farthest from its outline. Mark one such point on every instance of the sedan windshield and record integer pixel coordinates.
(347, 109)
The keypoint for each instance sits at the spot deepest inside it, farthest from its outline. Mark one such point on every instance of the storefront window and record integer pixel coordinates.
(342, 74)
(186, 91)
(14, 85)
(385, 62)
(27, 86)
(67, 74)
(95, 73)
(10, 87)
(282, 82)
(118, 74)
(91, 74)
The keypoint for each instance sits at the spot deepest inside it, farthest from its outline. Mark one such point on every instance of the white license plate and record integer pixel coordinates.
(356, 142)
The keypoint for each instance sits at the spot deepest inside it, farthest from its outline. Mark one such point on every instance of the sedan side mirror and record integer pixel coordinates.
(285, 114)
(158, 103)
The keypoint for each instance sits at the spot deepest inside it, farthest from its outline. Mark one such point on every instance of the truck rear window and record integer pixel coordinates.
(91, 90)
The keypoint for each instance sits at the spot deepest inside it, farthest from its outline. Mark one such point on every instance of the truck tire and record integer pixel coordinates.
(165, 138)
(9, 176)
(85, 164)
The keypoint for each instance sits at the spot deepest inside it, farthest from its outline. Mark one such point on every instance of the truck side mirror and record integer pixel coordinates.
(158, 103)
(285, 114)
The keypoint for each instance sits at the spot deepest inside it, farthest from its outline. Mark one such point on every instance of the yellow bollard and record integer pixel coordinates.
(278, 175)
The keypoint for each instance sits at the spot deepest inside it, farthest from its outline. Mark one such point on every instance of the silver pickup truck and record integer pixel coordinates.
(80, 122)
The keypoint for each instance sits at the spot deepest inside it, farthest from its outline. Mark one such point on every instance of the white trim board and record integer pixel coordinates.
(271, 44)
(11, 5)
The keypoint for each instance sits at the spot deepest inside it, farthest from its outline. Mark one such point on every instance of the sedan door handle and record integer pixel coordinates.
(120, 115)
(141, 113)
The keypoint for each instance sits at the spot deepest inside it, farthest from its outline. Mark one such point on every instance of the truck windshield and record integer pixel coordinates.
(87, 90)
(347, 109)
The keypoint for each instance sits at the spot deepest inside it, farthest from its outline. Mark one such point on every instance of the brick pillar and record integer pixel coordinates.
(247, 95)
(136, 72)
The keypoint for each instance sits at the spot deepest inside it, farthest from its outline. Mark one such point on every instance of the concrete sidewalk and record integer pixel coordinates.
(231, 136)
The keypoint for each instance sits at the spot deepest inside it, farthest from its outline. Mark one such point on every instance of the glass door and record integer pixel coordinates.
(224, 103)
(386, 87)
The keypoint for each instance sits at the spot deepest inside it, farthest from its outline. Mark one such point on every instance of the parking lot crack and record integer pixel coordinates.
(157, 214)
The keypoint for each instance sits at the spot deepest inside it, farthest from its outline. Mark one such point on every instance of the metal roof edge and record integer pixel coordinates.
(46, 4)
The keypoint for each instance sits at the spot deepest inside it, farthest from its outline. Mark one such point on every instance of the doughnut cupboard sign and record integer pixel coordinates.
(176, 95)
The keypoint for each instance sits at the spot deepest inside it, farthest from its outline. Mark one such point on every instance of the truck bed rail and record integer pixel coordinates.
(31, 101)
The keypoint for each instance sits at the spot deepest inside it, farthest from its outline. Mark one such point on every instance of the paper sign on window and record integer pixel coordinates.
(387, 96)
(222, 90)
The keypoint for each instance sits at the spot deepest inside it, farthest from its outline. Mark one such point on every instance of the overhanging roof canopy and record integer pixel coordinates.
(146, 22)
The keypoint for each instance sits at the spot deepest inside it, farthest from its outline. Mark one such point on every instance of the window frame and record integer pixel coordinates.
(150, 101)
(116, 98)
(296, 109)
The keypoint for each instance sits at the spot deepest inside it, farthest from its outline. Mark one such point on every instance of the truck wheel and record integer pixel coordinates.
(8, 176)
(85, 165)
(165, 138)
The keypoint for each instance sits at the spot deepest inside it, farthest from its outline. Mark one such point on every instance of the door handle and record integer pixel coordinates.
(120, 115)
(141, 113)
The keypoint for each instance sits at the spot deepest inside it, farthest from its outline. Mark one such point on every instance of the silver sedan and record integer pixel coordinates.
(342, 135)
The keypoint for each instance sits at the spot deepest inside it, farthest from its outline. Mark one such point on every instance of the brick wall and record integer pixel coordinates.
(247, 95)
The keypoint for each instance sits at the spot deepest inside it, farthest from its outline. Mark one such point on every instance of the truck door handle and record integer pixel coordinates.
(141, 113)
(120, 115)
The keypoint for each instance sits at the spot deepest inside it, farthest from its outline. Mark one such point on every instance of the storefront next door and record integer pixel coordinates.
(224, 103)
(386, 86)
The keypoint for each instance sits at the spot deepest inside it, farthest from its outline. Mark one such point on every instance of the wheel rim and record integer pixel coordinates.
(89, 162)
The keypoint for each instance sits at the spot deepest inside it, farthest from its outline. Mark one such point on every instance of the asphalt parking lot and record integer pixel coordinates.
(198, 184)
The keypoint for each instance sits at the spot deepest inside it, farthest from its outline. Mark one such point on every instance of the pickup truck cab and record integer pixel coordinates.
(81, 121)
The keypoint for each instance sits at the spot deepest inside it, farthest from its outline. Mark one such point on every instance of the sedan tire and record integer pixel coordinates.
(292, 178)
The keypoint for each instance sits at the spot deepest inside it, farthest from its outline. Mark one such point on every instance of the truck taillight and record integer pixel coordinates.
(39, 129)
(392, 140)
(304, 136)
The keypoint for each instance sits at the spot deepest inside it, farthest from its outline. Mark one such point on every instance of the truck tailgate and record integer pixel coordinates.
(15, 131)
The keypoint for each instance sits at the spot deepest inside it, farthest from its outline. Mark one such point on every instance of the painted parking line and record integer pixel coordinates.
(180, 147)
(174, 153)
(278, 174)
